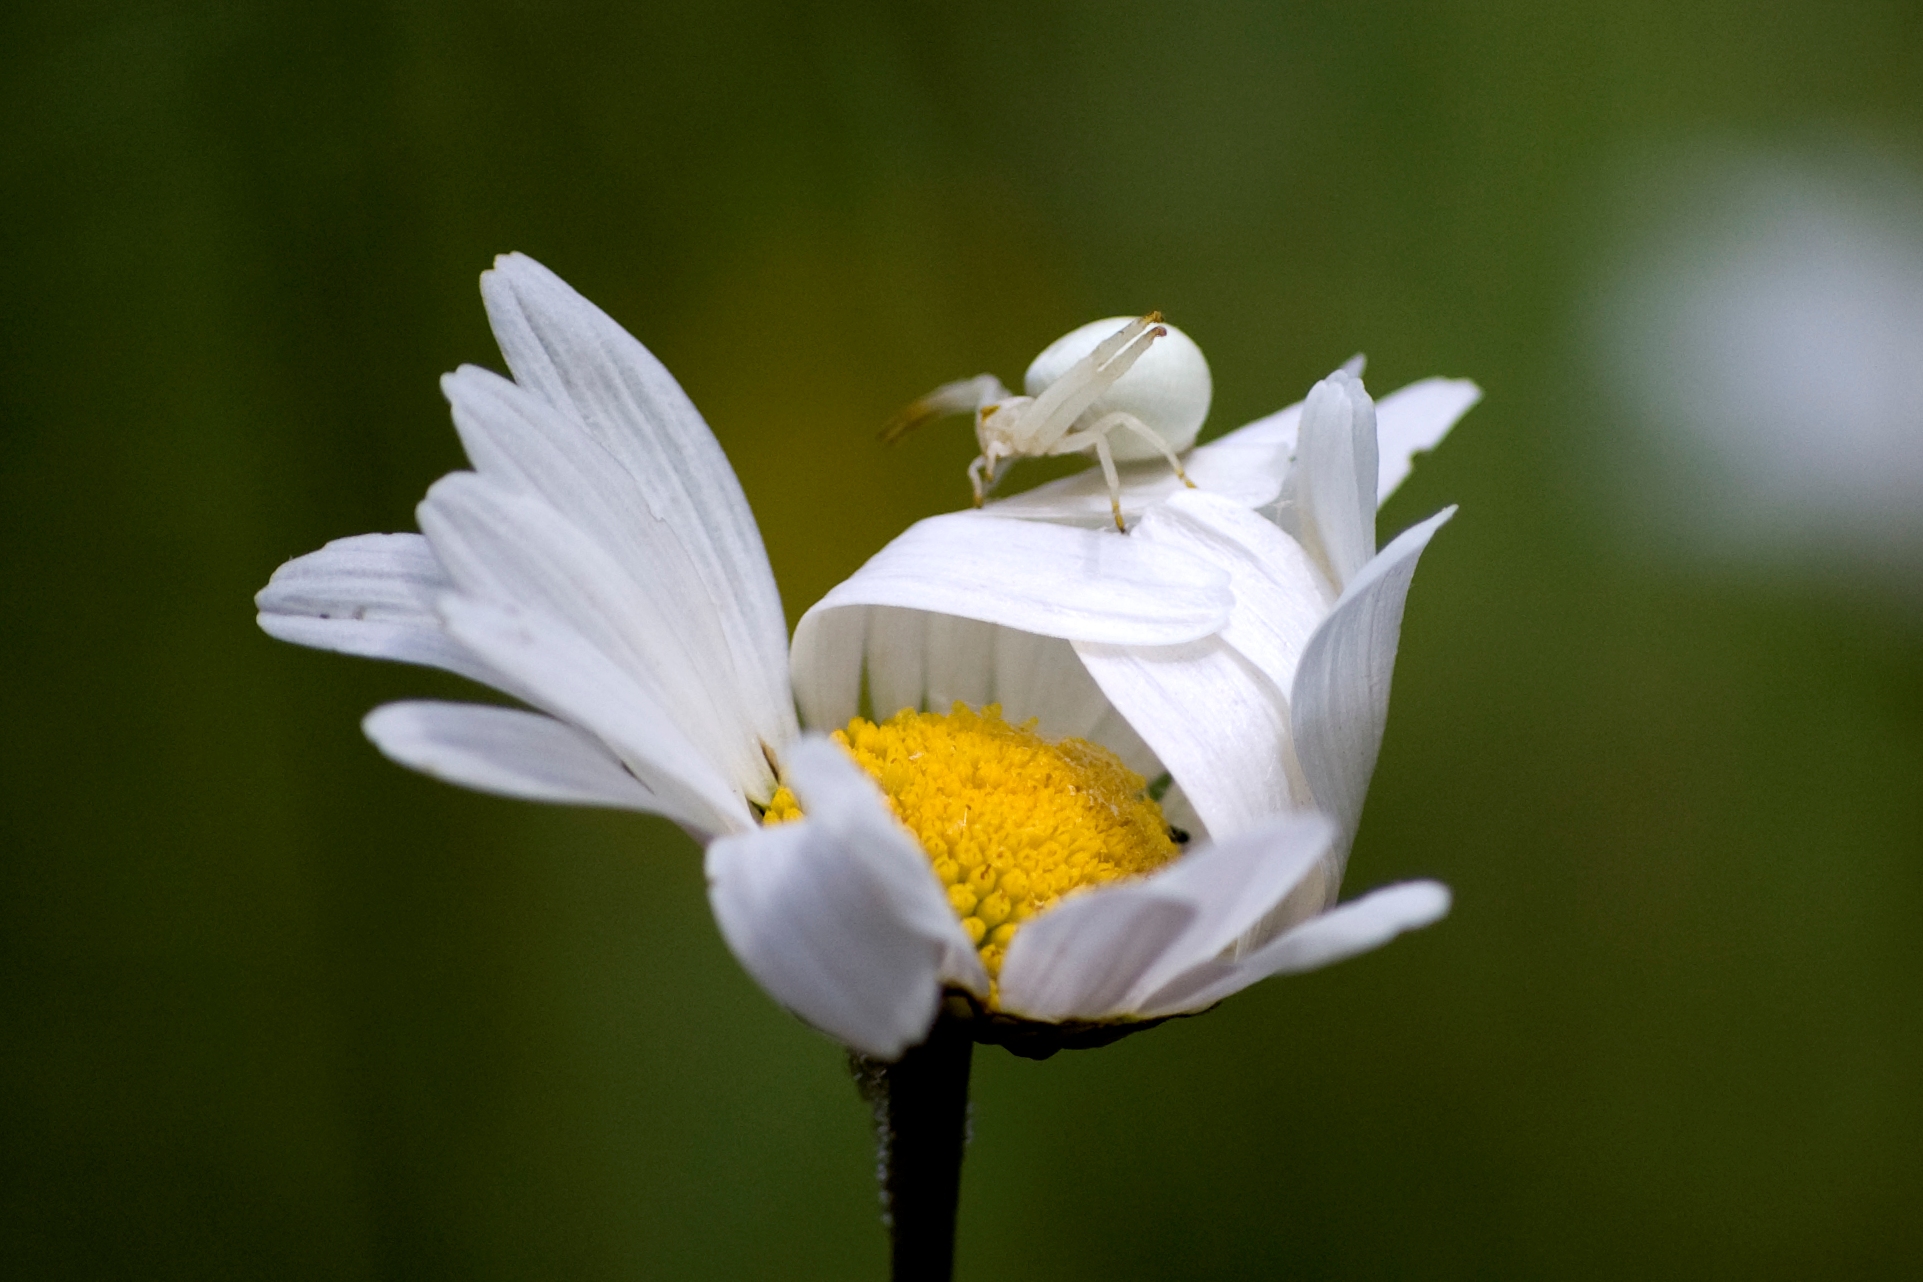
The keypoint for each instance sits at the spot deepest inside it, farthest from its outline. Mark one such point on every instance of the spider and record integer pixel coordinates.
(1138, 376)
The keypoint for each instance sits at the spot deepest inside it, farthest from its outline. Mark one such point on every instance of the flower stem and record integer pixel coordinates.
(921, 1121)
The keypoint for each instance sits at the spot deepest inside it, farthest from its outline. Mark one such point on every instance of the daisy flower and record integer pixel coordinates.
(1059, 782)
(1257, 731)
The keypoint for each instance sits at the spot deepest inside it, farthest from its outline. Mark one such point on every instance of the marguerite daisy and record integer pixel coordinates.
(980, 826)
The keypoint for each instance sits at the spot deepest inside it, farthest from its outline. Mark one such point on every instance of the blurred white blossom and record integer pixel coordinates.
(1762, 326)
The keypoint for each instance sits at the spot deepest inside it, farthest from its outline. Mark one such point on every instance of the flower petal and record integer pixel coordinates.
(1047, 580)
(1246, 467)
(573, 680)
(1358, 926)
(1234, 885)
(569, 353)
(1330, 496)
(505, 751)
(1080, 959)
(1280, 595)
(371, 595)
(1413, 419)
(838, 915)
(826, 666)
(1340, 699)
(1083, 585)
(518, 440)
(1253, 440)
(1214, 721)
(928, 662)
(513, 549)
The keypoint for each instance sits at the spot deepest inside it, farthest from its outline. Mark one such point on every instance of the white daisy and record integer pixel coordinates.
(601, 566)
(1276, 715)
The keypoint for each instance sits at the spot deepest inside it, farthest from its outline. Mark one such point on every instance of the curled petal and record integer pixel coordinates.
(1080, 959)
(926, 661)
(1280, 595)
(838, 915)
(1218, 726)
(1046, 580)
(1330, 498)
(1245, 467)
(1099, 954)
(1340, 699)
(1236, 885)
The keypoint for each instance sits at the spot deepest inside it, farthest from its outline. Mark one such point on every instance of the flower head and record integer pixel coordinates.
(983, 824)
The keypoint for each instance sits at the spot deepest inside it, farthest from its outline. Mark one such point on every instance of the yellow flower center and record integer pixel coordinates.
(1009, 821)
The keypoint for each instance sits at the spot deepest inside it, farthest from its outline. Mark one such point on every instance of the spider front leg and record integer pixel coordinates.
(964, 396)
(1052, 414)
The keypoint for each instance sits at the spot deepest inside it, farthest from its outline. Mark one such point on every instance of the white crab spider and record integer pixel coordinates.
(1138, 376)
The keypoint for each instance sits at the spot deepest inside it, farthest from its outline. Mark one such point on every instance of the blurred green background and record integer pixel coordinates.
(272, 1007)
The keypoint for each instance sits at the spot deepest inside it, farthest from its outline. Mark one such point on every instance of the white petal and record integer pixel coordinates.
(915, 659)
(1358, 926)
(1340, 700)
(371, 595)
(1249, 464)
(568, 352)
(514, 549)
(838, 915)
(518, 440)
(1048, 580)
(826, 666)
(1234, 885)
(1246, 472)
(505, 751)
(1280, 595)
(1083, 585)
(1330, 500)
(1080, 959)
(576, 682)
(1042, 678)
(928, 662)
(1246, 466)
(831, 786)
(1413, 419)
(1255, 439)
(1214, 721)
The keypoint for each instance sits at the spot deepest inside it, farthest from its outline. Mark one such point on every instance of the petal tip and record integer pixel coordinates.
(1431, 902)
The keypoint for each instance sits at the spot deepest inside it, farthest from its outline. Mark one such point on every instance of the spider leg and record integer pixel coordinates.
(1147, 433)
(1053, 413)
(975, 478)
(964, 396)
(1114, 481)
(1097, 436)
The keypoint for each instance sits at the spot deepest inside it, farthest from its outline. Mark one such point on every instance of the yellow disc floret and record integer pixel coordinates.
(782, 808)
(1009, 821)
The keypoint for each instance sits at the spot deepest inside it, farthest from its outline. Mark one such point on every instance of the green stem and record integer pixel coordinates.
(921, 1122)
